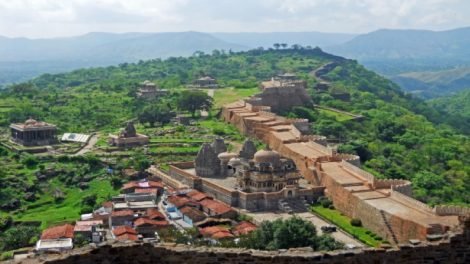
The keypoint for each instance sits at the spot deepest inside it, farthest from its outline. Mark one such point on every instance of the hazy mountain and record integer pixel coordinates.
(22, 58)
(408, 45)
(266, 40)
(434, 83)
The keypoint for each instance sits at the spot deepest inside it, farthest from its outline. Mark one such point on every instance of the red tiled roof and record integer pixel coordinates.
(131, 237)
(179, 201)
(122, 213)
(120, 230)
(153, 213)
(211, 230)
(216, 206)
(244, 228)
(222, 235)
(62, 231)
(142, 185)
(145, 221)
(197, 196)
(125, 233)
(146, 190)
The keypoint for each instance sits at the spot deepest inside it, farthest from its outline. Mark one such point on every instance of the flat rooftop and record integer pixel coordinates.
(259, 118)
(337, 173)
(305, 148)
(284, 136)
(394, 207)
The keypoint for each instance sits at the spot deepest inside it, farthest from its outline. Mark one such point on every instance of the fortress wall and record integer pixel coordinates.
(454, 250)
(165, 178)
(184, 177)
(219, 193)
(402, 186)
(410, 202)
(342, 199)
(355, 170)
(452, 210)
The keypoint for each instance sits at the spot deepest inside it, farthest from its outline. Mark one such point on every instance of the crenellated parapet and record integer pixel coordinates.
(452, 210)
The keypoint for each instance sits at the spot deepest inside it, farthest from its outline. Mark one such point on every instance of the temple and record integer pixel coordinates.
(253, 180)
(128, 137)
(205, 82)
(149, 90)
(33, 133)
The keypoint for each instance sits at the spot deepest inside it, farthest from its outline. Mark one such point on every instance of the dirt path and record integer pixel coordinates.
(89, 145)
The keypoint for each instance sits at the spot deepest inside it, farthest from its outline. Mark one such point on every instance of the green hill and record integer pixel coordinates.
(434, 83)
(400, 137)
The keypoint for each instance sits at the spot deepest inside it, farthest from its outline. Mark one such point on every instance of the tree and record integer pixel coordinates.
(276, 45)
(18, 237)
(194, 100)
(293, 232)
(283, 45)
(156, 113)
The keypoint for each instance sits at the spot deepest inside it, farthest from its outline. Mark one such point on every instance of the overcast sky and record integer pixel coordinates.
(52, 18)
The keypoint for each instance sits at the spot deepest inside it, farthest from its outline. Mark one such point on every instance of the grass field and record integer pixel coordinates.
(229, 95)
(50, 212)
(339, 116)
(343, 222)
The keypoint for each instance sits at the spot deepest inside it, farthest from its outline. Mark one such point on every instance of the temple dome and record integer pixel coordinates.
(267, 156)
(235, 161)
(226, 156)
(30, 122)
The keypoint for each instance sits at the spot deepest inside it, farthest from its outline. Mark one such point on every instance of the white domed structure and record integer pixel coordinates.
(226, 156)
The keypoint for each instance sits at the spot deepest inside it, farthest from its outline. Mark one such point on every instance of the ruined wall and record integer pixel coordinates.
(455, 250)
(219, 193)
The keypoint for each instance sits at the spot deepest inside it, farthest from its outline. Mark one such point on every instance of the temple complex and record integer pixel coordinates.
(150, 90)
(253, 180)
(205, 82)
(128, 137)
(384, 206)
(33, 133)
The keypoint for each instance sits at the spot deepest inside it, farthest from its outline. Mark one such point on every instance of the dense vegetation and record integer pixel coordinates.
(400, 137)
(290, 233)
(456, 108)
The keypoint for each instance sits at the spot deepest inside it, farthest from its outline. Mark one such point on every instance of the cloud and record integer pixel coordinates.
(44, 18)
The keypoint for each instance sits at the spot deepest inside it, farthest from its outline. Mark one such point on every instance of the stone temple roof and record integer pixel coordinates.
(32, 124)
(267, 156)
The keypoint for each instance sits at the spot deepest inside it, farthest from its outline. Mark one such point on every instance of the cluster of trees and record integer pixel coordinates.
(290, 233)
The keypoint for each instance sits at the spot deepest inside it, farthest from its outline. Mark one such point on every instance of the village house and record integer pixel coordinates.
(216, 233)
(90, 229)
(33, 133)
(125, 233)
(147, 227)
(218, 209)
(191, 215)
(142, 187)
(121, 218)
(243, 228)
(57, 238)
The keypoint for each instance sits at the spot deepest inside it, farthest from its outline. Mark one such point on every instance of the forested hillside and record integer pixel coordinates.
(456, 108)
(399, 137)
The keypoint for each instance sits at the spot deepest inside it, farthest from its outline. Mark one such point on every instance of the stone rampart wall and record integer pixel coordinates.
(454, 250)
(452, 210)
(413, 203)
(359, 172)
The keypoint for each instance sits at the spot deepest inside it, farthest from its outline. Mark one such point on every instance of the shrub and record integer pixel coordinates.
(326, 203)
(356, 222)
(368, 232)
(378, 238)
(332, 207)
(6, 256)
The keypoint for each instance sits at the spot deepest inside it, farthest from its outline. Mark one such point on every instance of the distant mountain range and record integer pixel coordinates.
(393, 53)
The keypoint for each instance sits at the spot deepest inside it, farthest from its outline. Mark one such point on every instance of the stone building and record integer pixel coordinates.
(254, 181)
(267, 172)
(33, 133)
(205, 82)
(128, 137)
(282, 93)
(150, 90)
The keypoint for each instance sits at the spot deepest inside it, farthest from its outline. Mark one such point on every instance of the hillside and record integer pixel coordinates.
(396, 140)
(456, 107)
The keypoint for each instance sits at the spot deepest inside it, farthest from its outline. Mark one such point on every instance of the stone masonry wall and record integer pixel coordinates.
(455, 250)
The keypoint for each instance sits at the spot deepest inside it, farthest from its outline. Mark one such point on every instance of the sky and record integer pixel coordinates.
(56, 18)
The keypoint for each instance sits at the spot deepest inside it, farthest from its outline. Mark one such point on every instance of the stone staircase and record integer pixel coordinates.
(389, 228)
(293, 205)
